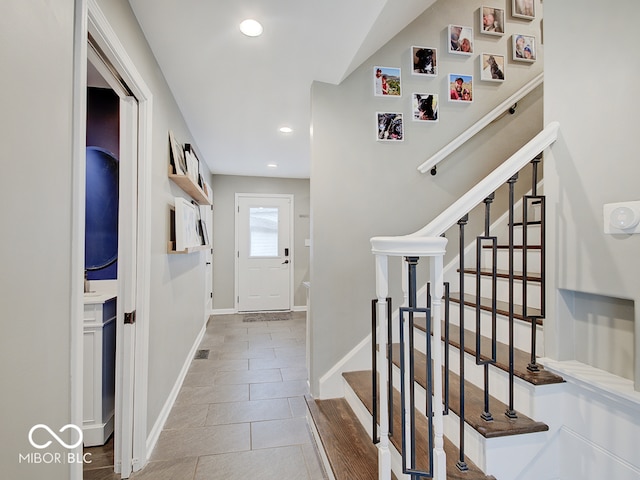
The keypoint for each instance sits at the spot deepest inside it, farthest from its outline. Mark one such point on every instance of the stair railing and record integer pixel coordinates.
(429, 243)
(507, 105)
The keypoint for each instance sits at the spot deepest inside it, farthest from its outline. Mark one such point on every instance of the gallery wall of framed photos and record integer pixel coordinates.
(472, 57)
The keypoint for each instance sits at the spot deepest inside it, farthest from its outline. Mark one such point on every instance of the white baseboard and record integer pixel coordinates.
(299, 308)
(331, 384)
(223, 311)
(154, 434)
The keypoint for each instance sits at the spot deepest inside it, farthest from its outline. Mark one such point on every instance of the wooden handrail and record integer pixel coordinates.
(452, 146)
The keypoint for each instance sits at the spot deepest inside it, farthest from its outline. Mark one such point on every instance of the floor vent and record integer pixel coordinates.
(201, 355)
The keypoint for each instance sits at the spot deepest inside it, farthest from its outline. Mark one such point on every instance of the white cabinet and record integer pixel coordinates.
(99, 368)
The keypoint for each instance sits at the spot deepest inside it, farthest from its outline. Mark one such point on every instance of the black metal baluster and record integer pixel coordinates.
(390, 365)
(410, 408)
(486, 414)
(510, 412)
(447, 324)
(461, 464)
(374, 368)
(533, 365)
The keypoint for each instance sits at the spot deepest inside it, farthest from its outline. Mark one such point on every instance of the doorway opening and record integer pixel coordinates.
(104, 53)
(264, 253)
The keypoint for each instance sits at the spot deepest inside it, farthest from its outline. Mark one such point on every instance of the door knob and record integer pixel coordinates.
(285, 262)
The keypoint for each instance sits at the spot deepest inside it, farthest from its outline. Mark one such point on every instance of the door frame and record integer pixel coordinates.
(288, 196)
(89, 19)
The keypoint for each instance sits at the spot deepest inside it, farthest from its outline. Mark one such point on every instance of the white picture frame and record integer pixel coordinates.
(460, 40)
(186, 224)
(523, 48)
(461, 88)
(424, 61)
(425, 107)
(389, 127)
(491, 21)
(523, 9)
(492, 67)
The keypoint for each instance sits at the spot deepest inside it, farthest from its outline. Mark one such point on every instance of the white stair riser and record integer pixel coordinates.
(533, 237)
(521, 329)
(484, 452)
(498, 378)
(502, 259)
(534, 289)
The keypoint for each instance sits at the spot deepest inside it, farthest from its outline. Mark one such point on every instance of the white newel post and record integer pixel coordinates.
(437, 290)
(382, 292)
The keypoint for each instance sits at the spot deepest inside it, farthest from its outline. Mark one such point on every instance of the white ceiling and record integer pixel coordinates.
(235, 92)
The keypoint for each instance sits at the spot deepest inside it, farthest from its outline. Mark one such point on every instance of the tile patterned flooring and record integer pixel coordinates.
(240, 413)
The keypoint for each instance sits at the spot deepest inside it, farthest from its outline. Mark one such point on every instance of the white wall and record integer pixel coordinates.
(594, 162)
(35, 285)
(37, 281)
(224, 189)
(361, 188)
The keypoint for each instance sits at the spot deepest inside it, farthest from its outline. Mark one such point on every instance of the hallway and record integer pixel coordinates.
(240, 412)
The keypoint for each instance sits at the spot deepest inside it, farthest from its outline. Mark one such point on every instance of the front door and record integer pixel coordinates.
(264, 255)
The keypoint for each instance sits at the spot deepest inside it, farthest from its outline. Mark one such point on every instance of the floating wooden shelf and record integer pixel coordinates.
(189, 186)
(171, 248)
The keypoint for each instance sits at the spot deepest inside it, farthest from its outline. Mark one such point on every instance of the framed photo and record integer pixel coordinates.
(523, 9)
(491, 21)
(186, 224)
(424, 61)
(492, 67)
(524, 48)
(460, 40)
(424, 107)
(177, 155)
(390, 127)
(386, 82)
(460, 88)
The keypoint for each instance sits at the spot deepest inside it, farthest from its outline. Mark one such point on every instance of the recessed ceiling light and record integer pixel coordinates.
(272, 165)
(286, 129)
(251, 28)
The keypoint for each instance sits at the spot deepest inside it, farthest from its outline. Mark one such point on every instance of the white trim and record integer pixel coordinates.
(223, 311)
(300, 308)
(78, 173)
(154, 434)
(427, 240)
(94, 21)
(331, 384)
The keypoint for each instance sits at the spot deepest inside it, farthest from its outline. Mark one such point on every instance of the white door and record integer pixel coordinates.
(127, 281)
(264, 255)
(206, 213)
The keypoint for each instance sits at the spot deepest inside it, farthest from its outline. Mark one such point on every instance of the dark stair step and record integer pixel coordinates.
(501, 426)
(350, 451)
(502, 307)
(360, 382)
(487, 272)
(520, 357)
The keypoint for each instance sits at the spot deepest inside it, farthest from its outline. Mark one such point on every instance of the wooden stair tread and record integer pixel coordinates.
(360, 382)
(518, 275)
(520, 357)
(502, 307)
(350, 451)
(501, 425)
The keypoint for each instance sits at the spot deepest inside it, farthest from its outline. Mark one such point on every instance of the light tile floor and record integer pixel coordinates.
(240, 413)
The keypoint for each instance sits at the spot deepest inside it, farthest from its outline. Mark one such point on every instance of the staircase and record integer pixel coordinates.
(483, 370)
